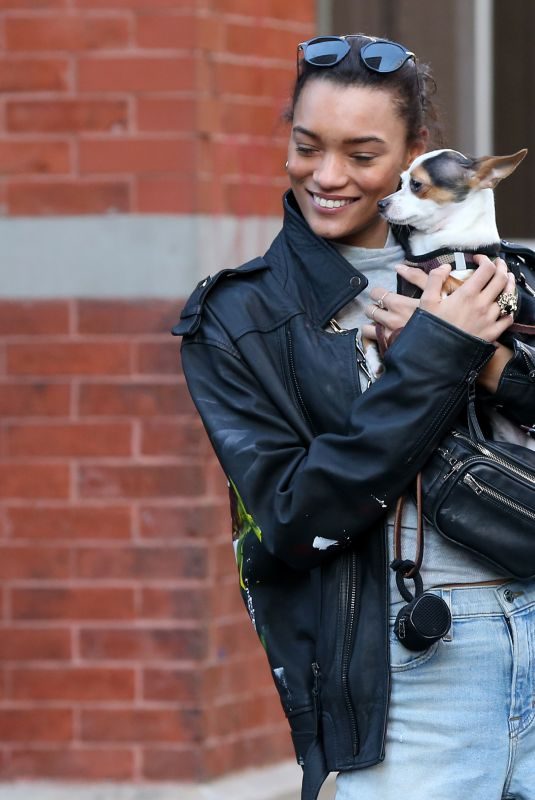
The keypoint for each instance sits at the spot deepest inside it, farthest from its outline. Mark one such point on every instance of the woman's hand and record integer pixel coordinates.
(472, 307)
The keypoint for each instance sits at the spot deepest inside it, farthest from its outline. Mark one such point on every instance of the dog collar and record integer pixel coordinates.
(458, 259)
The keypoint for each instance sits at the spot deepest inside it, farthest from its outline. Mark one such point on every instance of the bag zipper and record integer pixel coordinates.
(481, 488)
(530, 477)
(351, 589)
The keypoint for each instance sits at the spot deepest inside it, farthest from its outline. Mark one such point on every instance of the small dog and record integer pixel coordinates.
(447, 200)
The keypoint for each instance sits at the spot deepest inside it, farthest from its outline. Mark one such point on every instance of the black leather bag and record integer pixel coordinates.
(480, 495)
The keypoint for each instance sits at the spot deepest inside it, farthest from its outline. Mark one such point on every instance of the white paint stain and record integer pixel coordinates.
(320, 543)
(381, 502)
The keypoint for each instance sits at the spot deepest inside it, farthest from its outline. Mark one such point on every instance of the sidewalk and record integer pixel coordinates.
(279, 782)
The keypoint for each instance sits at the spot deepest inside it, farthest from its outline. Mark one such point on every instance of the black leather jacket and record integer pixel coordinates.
(313, 464)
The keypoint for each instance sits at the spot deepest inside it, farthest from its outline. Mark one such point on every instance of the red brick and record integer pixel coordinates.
(89, 764)
(127, 316)
(172, 765)
(33, 5)
(42, 157)
(29, 317)
(160, 31)
(77, 440)
(34, 399)
(253, 198)
(158, 358)
(151, 644)
(34, 481)
(140, 725)
(225, 719)
(165, 114)
(135, 399)
(174, 438)
(174, 603)
(266, 81)
(69, 358)
(136, 156)
(35, 725)
(33, 74)
(264, 42)
(140, 481)
(252, 119)
(66, 116)
(27, 644)
(142, 563)
(228, 679)
(236, 638)
(145, 5)
(69, 523)
(167, 194)
(60, 197)
(31, 563)
(136, 74)
(65, 33)
(85, 684)
(196, 521)
(72, 604)
(252, 748)
(173, 686)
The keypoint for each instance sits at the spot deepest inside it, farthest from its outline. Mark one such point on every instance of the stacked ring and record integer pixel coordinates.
(508, 303)
(372, 313)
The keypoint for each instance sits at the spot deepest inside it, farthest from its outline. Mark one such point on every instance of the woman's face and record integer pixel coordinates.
(347, 149)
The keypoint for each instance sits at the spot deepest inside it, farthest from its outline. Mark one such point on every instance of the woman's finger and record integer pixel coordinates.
(432, 293)
(497, 283)
(413, 275)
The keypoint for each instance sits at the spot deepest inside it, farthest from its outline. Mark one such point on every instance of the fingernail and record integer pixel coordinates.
(402, 268)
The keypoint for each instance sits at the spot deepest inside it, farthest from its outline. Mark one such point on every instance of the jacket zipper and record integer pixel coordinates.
(481, 488)
(316, 695)
(351, 589)
(299, 397)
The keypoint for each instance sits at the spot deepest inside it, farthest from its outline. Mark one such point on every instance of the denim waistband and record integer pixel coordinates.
(472, 601)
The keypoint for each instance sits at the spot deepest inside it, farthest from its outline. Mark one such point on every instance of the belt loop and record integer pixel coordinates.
(446, 596)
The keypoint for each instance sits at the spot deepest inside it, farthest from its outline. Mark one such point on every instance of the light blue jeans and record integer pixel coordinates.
(462, 714)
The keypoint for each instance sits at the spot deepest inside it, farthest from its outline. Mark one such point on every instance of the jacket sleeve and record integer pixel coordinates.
(307, 497)
(515, 395)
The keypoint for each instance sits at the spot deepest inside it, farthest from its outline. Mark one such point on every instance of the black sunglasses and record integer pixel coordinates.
(379, 55)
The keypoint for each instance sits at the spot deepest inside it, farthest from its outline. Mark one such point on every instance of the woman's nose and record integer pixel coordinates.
(330, 172)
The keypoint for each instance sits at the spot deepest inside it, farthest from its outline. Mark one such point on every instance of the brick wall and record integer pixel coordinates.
(145, 105)
(125, 651)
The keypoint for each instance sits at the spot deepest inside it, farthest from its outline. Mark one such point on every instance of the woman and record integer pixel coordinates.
(317, 452)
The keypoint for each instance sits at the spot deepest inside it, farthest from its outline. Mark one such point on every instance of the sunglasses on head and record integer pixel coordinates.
(379, 55)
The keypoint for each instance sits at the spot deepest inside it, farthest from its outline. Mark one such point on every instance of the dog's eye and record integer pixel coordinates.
(415, 185)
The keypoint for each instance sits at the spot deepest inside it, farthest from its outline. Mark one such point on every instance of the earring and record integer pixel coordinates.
(286, 166)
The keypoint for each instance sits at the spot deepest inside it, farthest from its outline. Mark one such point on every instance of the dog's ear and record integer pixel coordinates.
(490, 170)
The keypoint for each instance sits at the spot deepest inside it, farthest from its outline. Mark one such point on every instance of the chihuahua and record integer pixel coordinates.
(447, 200)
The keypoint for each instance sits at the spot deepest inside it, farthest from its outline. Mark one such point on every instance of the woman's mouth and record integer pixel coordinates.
(331, 202)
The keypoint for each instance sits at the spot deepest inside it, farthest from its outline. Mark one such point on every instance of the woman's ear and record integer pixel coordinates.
(418, 146)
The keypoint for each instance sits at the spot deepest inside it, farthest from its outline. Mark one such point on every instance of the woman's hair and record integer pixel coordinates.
(412, 87)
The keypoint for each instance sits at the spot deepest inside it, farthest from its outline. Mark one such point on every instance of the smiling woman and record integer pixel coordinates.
(338, 177)
(318, 442)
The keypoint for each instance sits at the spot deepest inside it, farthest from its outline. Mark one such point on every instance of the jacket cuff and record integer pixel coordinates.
(515, 395)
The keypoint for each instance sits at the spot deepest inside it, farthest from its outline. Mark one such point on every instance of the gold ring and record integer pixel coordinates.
(372, 314)
(380, 302)
(508, 303)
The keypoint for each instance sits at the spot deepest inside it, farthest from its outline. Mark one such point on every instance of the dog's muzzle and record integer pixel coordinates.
(508, 302)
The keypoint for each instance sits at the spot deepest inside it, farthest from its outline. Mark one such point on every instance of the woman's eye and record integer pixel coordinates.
(305, 151)
(363, 157)
(415, 185)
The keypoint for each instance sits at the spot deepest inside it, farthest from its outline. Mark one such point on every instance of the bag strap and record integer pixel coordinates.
(412, 567)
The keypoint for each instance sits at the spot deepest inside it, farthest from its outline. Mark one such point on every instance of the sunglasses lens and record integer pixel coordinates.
(326, 52)
(384, 56)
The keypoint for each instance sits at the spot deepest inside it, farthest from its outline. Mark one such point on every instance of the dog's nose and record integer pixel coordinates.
(383, 204)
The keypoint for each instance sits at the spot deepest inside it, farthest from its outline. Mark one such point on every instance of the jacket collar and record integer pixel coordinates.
(328, 279)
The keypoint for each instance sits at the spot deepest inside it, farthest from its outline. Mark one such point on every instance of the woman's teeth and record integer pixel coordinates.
(321, 201)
